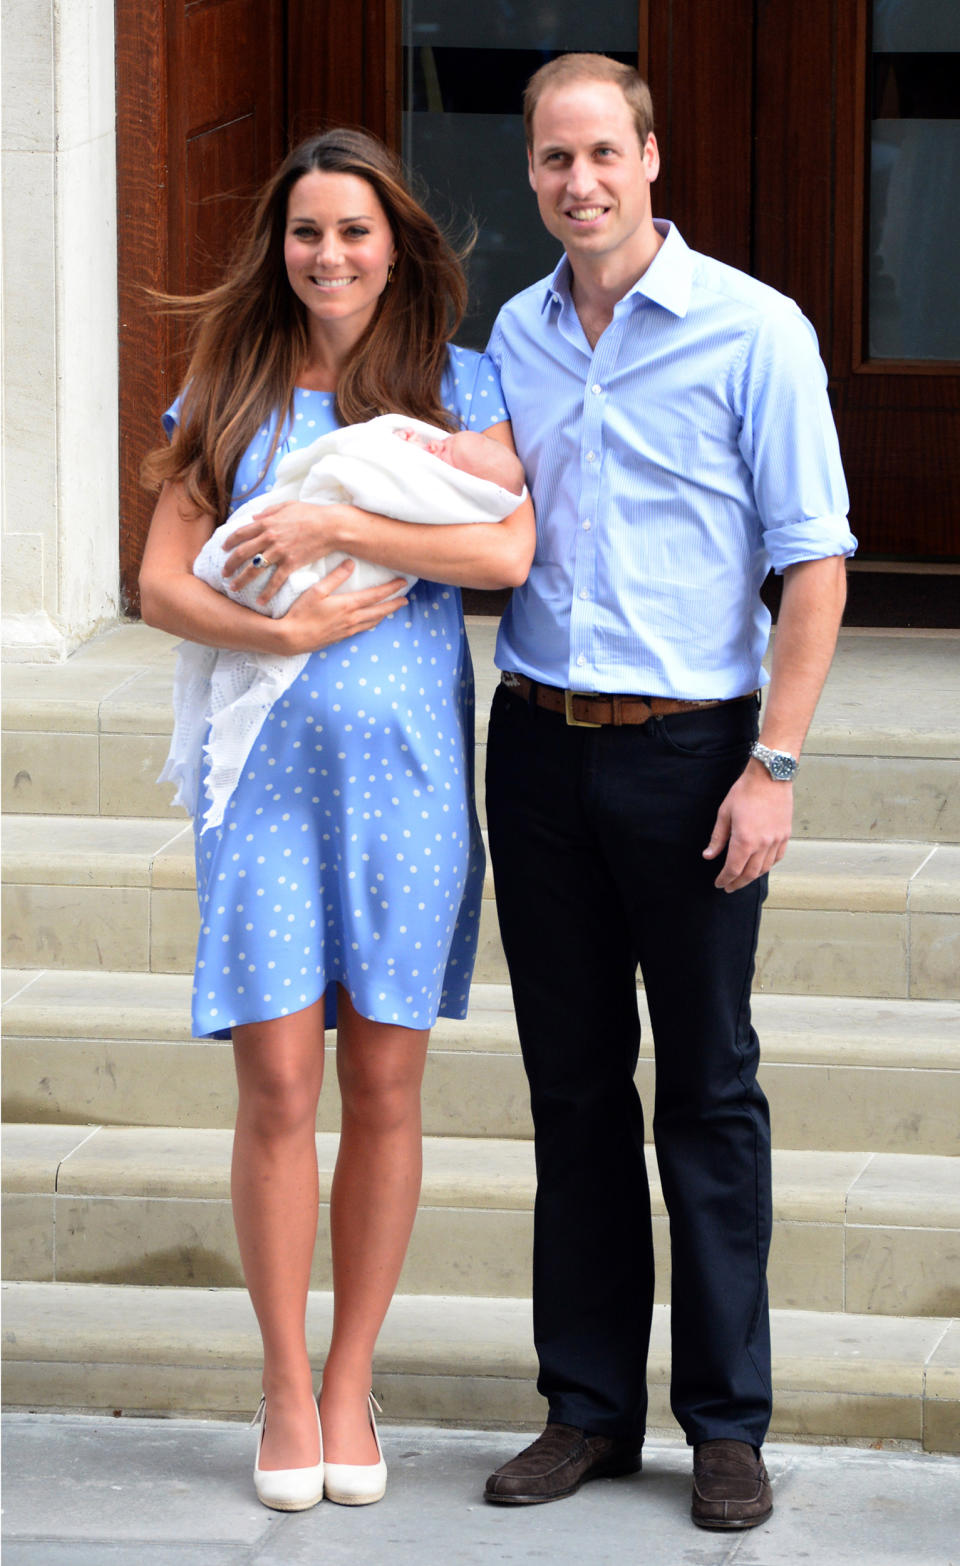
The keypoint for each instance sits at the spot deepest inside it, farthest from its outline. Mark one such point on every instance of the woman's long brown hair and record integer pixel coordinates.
(251, 340)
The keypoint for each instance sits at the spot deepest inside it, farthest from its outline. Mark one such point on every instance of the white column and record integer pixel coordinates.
(60, 506)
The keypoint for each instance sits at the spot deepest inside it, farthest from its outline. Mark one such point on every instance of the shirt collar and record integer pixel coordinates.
(557, 287)
(667, 281)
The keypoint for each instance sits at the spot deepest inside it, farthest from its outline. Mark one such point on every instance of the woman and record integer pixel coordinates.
(343, 880)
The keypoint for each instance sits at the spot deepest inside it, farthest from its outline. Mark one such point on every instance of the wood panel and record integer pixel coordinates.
(793, 195)
(344, 67)
(201, 111)
(218, 164)
(324, 66)
(226, 126)
(900, 436)
(699, 56)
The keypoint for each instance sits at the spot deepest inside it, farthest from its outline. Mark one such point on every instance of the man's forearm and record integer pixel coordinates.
(754, 820)
(814, 593)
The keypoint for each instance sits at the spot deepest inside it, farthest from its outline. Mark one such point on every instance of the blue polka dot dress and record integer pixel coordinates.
(350, 851)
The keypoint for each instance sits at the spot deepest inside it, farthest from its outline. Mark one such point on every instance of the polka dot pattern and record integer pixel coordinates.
(350, 851)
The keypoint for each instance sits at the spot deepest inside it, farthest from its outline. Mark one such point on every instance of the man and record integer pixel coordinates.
(671, 414)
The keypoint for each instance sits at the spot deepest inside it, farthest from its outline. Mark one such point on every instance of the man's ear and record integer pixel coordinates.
(530, 174)
(651, 158)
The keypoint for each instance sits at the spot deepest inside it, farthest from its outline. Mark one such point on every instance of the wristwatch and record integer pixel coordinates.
(781, 766)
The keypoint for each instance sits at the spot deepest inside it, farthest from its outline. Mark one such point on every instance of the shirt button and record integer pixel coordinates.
(587, 525)
(596, 389)
(584, 593)
(581, 660)
(591, 456)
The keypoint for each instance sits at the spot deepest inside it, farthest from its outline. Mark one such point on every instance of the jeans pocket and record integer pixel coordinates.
(711, 733)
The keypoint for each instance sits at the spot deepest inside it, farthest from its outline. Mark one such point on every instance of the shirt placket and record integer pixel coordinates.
(582, 668)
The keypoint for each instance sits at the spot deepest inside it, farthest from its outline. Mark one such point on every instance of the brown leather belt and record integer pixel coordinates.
(589, 710)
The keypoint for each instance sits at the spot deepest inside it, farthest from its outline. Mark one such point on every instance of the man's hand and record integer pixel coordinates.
(753, 823)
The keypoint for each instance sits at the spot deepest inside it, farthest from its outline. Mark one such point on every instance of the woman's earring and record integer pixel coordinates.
(390, 271)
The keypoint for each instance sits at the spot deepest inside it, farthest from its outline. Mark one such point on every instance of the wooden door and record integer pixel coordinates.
(764, 116)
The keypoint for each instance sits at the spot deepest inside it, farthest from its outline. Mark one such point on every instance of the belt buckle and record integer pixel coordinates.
(575, 723)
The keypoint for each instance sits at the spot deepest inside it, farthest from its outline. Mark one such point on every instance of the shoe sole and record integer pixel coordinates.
(290, 1506)
(602, 1471)
(733, 1526)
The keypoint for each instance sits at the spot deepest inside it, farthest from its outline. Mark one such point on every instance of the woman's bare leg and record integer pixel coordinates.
(274, 1187)
(376, 1186)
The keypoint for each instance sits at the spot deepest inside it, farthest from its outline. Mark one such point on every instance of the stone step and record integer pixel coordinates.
(462, 1361)
(882, 761)
(115, 1048)
(842, 918)
(871, 1233)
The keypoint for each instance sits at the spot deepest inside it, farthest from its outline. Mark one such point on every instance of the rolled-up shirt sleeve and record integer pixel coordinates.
(789, 442)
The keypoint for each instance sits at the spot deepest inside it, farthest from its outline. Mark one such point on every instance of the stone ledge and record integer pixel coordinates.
(467, 1361)
(819, 874)
(834, 1030)
(872, 1233)
(170, 1163)
(115, 1048)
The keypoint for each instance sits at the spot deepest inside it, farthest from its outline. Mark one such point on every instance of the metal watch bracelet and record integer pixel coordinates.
(781, 766)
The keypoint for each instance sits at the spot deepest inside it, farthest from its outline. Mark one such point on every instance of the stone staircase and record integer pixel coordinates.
(123, 1283)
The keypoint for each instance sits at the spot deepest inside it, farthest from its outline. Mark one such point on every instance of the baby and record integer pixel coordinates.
(481, 481)
(393, 465)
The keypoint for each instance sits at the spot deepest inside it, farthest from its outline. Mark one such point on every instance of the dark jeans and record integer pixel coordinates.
(596, 837)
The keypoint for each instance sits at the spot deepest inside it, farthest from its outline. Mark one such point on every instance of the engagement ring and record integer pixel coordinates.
(259, 560)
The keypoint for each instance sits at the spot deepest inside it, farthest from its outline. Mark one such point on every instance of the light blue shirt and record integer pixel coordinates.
(671, 467)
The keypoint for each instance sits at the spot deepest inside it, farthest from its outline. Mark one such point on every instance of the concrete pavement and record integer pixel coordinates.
(81, 1491)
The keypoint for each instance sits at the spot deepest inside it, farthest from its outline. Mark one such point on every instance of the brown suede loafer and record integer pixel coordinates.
(557, 1464)
(730, 1486)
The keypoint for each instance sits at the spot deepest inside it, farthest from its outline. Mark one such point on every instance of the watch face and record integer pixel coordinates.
(779, 763)
(782, 767)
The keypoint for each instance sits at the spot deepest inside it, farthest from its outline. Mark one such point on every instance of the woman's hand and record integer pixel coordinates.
(288, 536)
(321, 615)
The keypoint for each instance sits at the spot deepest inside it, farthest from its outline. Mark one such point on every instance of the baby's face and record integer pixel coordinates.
(471, 452)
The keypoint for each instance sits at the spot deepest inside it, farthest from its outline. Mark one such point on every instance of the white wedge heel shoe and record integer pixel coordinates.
(287, 1489)
(358, 1484)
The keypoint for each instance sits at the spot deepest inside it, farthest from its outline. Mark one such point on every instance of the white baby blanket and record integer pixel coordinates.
(230, 693)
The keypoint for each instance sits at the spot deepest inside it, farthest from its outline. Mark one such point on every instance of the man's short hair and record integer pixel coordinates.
(590, 68)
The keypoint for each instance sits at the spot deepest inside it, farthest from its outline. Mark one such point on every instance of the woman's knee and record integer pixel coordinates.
(380, 1088)
(278, 1095)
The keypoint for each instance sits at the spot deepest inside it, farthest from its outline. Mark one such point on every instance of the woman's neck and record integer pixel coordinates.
(327, 353)
(316, 377)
